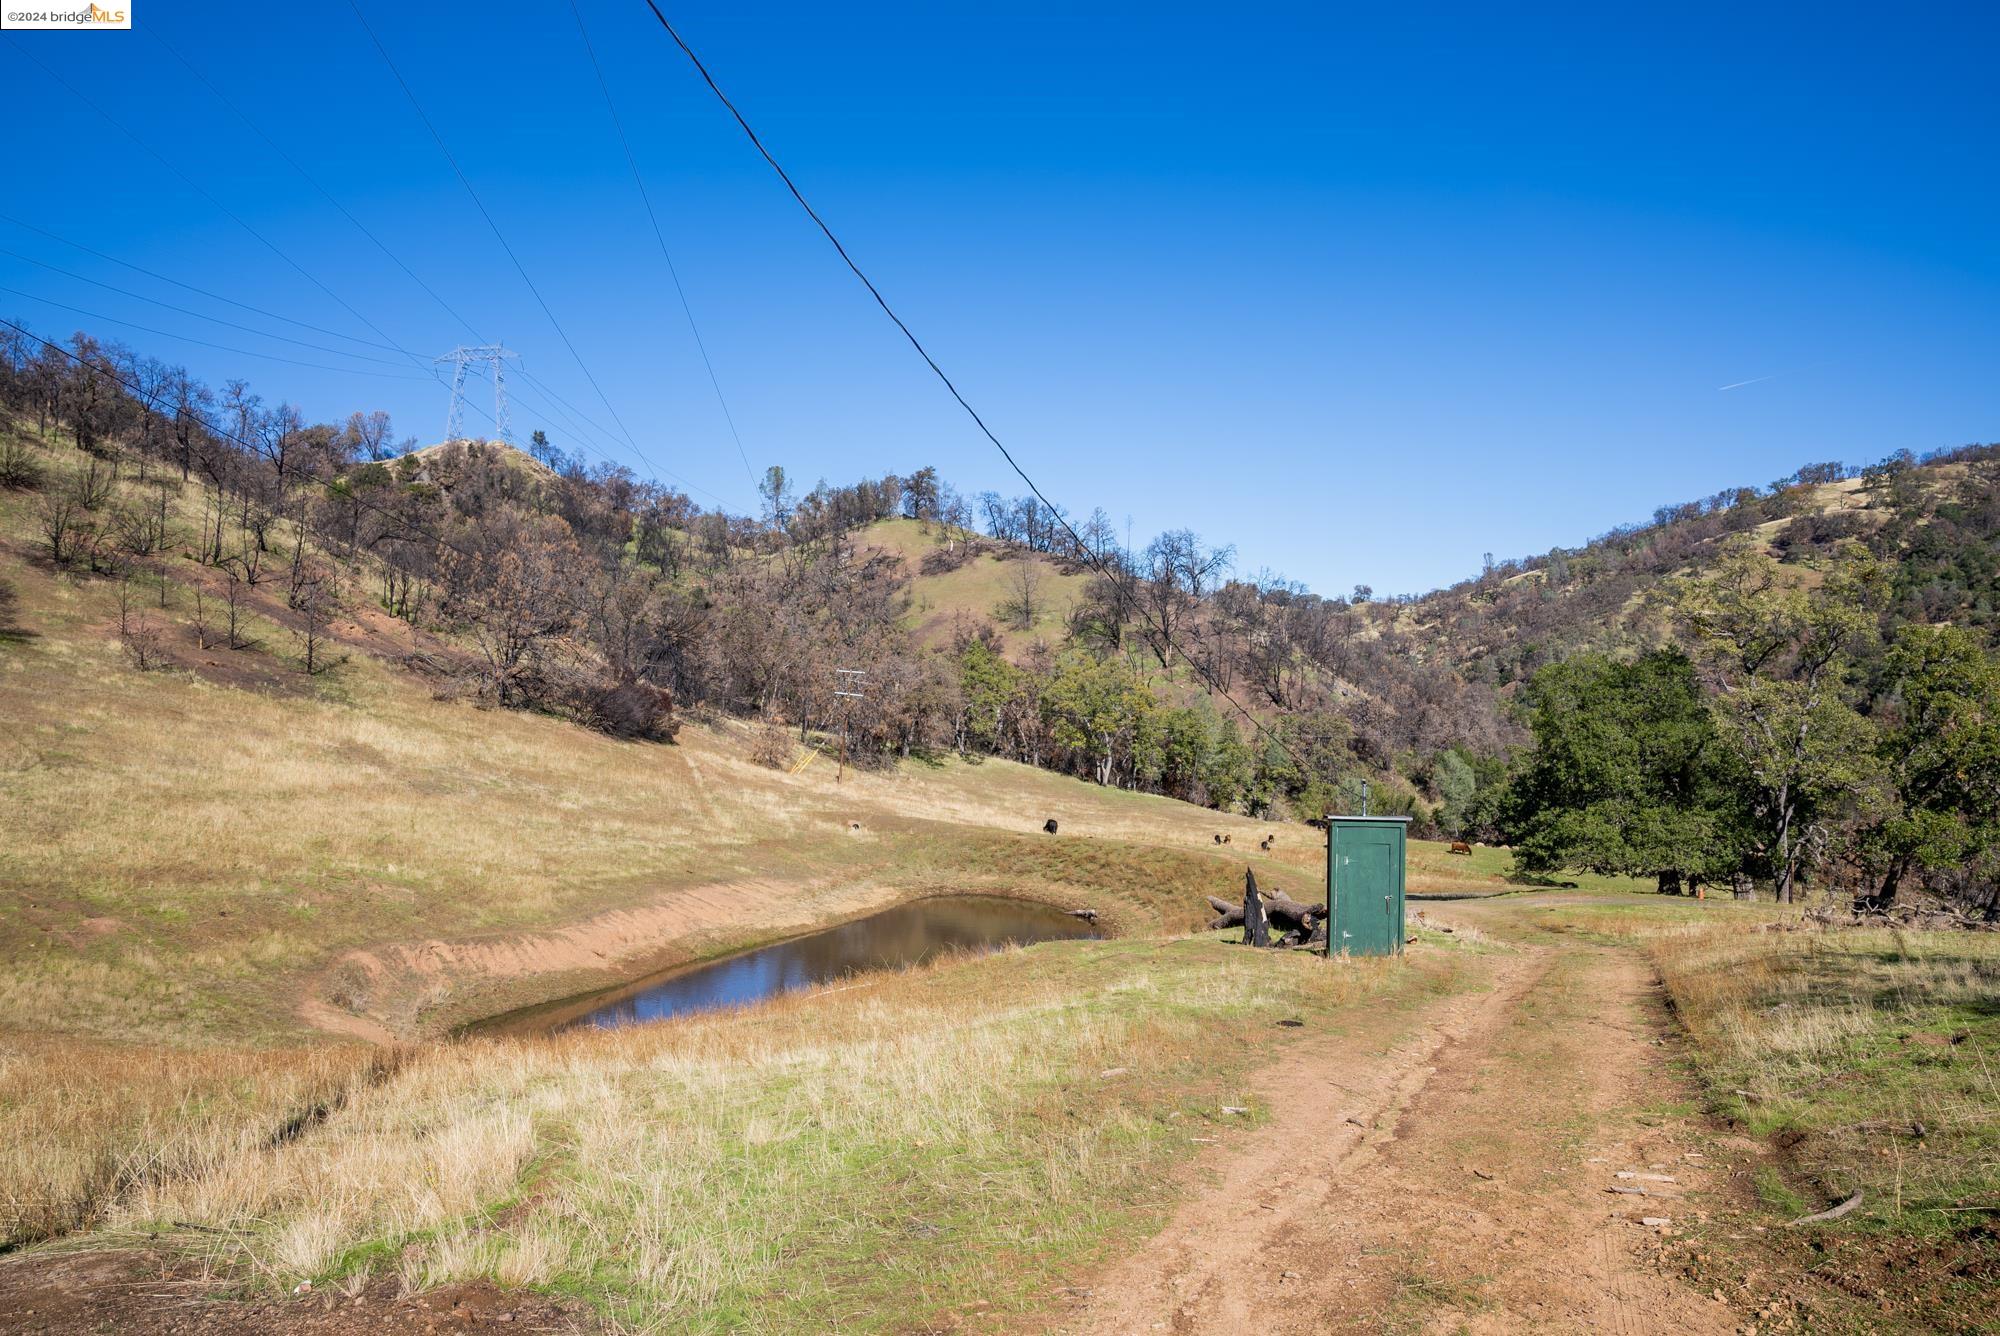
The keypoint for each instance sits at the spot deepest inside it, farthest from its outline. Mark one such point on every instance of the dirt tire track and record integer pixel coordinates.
(1472, 1197)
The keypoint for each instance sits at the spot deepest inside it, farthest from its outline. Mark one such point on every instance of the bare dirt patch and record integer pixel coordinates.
(122, 1292)
(1460, 1179)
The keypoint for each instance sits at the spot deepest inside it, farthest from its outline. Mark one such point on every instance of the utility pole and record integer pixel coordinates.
(847, 677)
(490, 355)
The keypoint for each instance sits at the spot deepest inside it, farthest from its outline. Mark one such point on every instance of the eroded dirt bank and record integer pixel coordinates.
(400, 992)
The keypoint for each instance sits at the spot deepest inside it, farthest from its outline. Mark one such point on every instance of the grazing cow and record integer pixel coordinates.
(1218, 839)
(1265, 843)
(1460, 847)
(1049, 826)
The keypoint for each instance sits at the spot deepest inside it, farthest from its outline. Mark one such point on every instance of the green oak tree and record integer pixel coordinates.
(1776, 643)
(1629, 775)
(1941, 752)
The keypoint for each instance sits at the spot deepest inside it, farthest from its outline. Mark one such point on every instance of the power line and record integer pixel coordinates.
(498, 235)
(388, 343)
(184, 310)
(391, 345)
(199, 291)
(659, 236)
(222, 347)
(588, 432)
(223, 209)
(220, 207)
(313, 181)
(1108, 572)
(566, 408)
(250, 446)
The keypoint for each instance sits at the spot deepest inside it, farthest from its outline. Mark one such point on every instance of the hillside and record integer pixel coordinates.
(947, 599)
(302, 776)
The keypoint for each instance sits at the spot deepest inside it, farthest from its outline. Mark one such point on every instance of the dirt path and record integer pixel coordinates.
(1455, 1181)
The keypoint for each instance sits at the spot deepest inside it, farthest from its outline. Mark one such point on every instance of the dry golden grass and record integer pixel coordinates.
(974, 592)
(183, 858)
(912, 1141)
(1874, 1055)
(84, 1125)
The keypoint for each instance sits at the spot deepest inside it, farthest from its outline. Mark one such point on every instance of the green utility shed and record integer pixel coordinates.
(1364, 884)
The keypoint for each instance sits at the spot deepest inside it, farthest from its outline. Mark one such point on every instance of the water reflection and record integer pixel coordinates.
(906, 935)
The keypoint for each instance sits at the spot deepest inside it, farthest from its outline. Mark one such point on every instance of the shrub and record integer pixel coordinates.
(631, 710)
(772, 747)
(19, 469)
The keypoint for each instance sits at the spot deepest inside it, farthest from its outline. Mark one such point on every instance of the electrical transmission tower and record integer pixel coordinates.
(490, 355)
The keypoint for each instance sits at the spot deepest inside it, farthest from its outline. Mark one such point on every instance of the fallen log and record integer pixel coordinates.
(1226, 914)
(1289, 914)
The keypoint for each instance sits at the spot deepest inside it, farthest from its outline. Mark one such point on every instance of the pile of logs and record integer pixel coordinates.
(1922, 917)
(1270, 918)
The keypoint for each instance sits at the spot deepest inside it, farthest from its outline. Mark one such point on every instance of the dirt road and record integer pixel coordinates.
(1456, 1179)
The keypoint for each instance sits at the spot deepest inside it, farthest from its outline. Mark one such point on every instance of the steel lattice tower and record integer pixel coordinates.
(496, 358)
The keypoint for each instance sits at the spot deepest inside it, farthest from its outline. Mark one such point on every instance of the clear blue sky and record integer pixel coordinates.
(1367, 294)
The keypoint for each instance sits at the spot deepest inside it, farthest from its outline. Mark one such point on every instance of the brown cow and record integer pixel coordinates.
(1460, 847)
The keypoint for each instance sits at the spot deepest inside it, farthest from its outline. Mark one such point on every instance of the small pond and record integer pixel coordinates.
(909, 934)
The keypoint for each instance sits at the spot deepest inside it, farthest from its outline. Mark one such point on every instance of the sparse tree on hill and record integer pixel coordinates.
(1180, 571)
(66, 523)
(235, 603)
(776, 490)
(1023, 603)
(10, 608)
(317, 600)
(202, 618)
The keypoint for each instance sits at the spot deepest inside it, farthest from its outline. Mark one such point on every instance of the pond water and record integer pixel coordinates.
(906, 935)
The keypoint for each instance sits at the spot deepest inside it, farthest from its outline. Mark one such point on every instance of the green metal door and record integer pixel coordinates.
(1364, 885)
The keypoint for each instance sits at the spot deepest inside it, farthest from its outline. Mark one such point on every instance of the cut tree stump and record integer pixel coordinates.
(1256, 931)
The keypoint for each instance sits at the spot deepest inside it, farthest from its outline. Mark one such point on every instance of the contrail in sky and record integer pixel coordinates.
(1752, 381)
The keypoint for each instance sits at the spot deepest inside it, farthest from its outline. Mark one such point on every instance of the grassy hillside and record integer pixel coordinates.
(183, 857)
(240, 903)
(977, 591)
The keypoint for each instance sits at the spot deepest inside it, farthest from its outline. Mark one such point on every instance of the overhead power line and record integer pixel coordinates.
(187, 338)
(219, 206)
(388, 343)
(255, 449)
(498, 235)
(1165, 632)
(573, 418)
(185, 310)
(312, 181)
(589, 434)
(189, 287)
(646, 198)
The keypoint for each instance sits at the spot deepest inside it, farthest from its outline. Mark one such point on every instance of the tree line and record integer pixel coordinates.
(1733, 693)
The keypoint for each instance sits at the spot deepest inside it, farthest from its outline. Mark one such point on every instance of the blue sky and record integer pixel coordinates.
(1367, 294)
